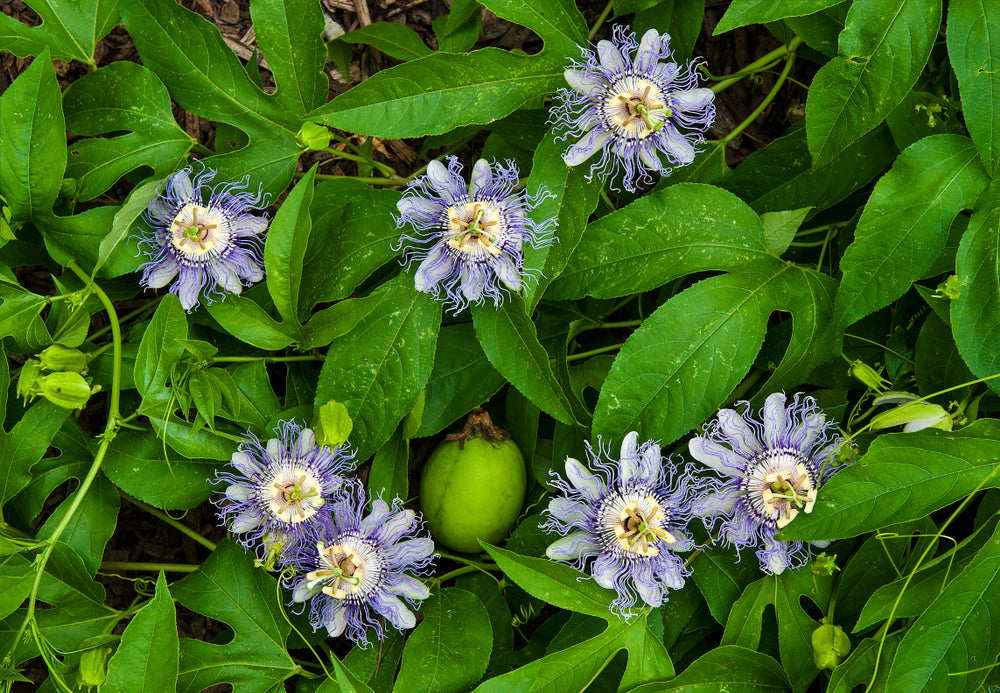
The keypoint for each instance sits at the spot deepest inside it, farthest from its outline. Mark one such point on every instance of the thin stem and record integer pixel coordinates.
(909, 577)
(110, 428)
(384, 169)
(265, 359)
(128, 316)
(623, 323)
(881, 346)
(110, 566)
(594, 352)
(164, 517)
(754, 67)
(462, 559)
(770, 95)
(369, 180)
(600, 20)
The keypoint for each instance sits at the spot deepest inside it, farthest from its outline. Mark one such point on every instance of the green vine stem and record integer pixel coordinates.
(165, 518)
(112, 566)
(110, 429)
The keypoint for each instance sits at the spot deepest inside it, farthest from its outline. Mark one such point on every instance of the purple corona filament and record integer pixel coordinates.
(357, 569)
(768, 471)
(624, 523)
(277, 490)
(468, 239)
(639, 115)
(210, 247)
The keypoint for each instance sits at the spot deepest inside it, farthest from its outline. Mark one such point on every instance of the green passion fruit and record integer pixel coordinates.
(473, 486)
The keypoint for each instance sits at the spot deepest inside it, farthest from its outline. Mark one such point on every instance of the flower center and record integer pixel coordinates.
(194, 231)
(786, 492)
(638, 528)
(295, 496)
(637, 108)
(474, 224)
(343, 574)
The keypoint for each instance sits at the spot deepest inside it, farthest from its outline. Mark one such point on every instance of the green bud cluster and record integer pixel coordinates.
(57, 375)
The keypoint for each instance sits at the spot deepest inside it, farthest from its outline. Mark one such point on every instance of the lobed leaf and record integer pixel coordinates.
(69, 31)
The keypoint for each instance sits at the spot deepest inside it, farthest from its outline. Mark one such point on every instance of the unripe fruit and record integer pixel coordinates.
(473, 486)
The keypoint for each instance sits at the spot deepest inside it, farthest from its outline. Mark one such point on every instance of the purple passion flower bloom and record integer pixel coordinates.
(357, 569)
(469, 240)
(635, 111)
(277, 490)
(627, 518)
(205, 245)
(769, 471)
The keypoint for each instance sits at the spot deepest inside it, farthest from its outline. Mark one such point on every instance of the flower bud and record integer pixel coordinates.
(60, 358)
(334, 425)
(313, 137)
(824, 565)
(67, 390)
(830, 646)
(950, 288)
(910, 414)
(868, 375)
(28, 386)
(93, 667)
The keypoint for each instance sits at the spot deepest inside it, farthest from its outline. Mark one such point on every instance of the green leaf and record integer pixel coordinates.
(682, 17)
(206, 78)
(956, 632)
(285, 249)
(906, 222)
(79, 611)
(139, 466)
(573, 202)
(938, 365)
(781, 175)
(780, 228)
(454, 90)
(147, 658)
(17, 575)
(379, 368)
(975, 315)
(388, 476)
(241, 317)
(884, 47)
(743, 12)
(574, 668)
(685, 359)
(726, 668)
(289, 33)
(974, 52)
(450, 648)
(336, 321)
(902, 477)
(69, 31)
(461, 379)
(511, 344)
(228, 588)
(556, 583)
(32, 141)
(161, 347)
(20, 317)
(558, 22)
(857, 670)
(91, 526)
(795, 627)
(395, 40)
(721, 577)
(628, 251)
(25, 444)
(121, 97)
(352, 235)
(135, 204)
(909, 597)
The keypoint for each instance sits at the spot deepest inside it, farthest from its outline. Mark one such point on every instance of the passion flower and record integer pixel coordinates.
(473, 485)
